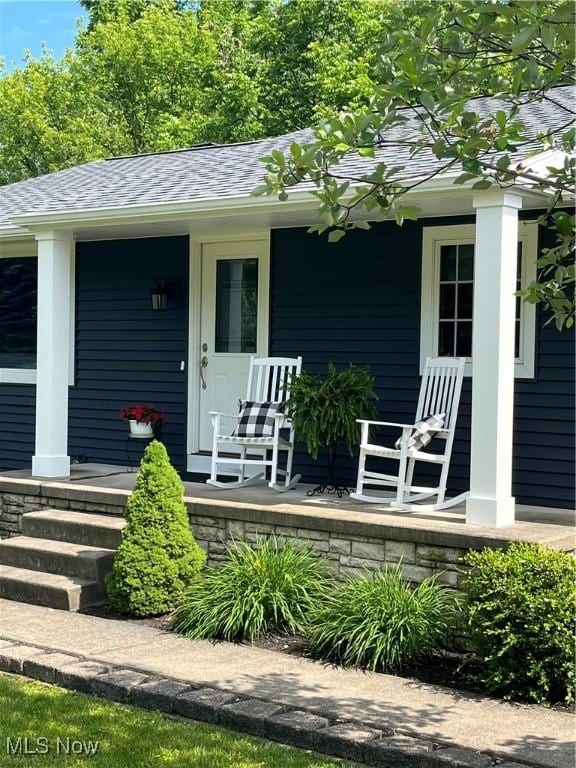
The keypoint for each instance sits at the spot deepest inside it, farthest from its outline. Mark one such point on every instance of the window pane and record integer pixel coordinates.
(466, 262)
(464, 339)
(465, 301)
(236, 305)
(447, 301)
(448, 262)
(446, 339)
(455, 300)
(18, 287)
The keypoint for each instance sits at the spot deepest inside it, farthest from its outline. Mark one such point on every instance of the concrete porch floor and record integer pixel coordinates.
(554, 527)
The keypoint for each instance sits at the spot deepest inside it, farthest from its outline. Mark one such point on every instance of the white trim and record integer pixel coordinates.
(55, 251)
(28, 375)
(194, 320)
(432, 238)
(490, 502)
(17, 375)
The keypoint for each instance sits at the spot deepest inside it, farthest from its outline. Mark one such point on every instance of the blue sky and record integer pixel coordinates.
(29, 23)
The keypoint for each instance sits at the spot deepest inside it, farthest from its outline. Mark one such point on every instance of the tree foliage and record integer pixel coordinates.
(432, 57)
(148, 75)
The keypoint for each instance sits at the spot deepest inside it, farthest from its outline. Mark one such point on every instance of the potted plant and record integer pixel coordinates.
(324, 412)
(142, 419)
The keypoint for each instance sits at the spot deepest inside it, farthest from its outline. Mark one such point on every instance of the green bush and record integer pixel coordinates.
(521, 610)
(380, 622)
(158, 557)
(269, 588)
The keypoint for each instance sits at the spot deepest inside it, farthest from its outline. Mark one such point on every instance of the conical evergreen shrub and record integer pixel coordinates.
(158, 557)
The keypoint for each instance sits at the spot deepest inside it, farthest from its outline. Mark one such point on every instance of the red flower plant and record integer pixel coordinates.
(145, 414)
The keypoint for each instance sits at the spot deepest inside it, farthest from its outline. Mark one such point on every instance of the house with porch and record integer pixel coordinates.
(155, 278)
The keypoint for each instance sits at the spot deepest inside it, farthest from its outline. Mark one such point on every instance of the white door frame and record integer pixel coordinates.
(194, 329)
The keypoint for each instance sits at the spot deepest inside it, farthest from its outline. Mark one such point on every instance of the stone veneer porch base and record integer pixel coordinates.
(353, 540)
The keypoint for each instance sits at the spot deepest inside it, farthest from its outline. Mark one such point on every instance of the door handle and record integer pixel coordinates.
(203, 364)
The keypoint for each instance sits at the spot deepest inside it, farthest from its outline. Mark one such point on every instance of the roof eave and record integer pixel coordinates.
(215, 207)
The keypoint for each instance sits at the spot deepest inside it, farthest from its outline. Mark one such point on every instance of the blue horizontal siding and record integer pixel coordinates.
(125, 352)
(358, 301)
(17, 417)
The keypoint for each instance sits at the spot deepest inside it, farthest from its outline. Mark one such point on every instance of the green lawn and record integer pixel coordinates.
(128, 737)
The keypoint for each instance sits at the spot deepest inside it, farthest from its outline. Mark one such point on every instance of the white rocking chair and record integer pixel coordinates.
(269, 380)
(439, 394)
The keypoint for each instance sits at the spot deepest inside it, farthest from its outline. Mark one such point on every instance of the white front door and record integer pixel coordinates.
(233, 325)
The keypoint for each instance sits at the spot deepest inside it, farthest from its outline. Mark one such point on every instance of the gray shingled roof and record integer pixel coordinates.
(218, 171)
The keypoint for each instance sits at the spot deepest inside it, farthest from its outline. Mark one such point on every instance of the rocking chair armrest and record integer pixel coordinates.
(386, 424)
(215, 418)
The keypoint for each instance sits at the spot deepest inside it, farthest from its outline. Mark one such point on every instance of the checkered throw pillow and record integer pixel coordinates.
(256, 419)
(423, 432)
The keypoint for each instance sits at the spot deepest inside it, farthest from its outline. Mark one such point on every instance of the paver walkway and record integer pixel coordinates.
(524, 733)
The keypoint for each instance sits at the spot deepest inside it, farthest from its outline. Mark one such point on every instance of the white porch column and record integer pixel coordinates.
(53, 347)
(491, 502)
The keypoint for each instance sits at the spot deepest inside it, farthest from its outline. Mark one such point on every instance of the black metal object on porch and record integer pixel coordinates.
(331, 485)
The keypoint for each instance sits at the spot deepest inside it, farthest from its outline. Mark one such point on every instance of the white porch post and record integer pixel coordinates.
(53, 346)
(491, 502)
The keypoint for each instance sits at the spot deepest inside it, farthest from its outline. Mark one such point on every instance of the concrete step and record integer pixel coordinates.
(68, 593)
(74, 527)
(60, 557)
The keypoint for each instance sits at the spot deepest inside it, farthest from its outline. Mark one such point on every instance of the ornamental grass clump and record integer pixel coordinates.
(382, 623)
(270, 588)
(158, 557)
(521, 615)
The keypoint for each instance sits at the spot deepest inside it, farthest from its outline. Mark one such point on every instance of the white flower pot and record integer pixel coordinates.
(139, 429)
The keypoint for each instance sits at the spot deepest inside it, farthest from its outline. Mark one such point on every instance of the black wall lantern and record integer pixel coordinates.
(160, 294)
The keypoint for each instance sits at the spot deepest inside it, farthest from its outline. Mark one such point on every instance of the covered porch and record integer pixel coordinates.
(495, 238)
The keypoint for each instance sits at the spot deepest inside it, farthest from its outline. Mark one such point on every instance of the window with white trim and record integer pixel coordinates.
(448, 292)
(18, 306)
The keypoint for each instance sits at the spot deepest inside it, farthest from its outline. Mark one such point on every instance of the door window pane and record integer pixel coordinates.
(18, 292)
(236, 305)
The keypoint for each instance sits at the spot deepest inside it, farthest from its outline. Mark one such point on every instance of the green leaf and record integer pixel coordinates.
(427, 100)
(335, 235)
(521, 41)
(464, 177)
